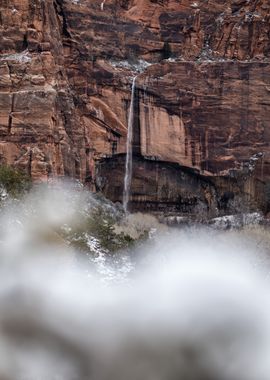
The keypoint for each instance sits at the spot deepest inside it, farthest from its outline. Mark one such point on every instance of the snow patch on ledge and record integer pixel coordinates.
(237, 221)
(138, 66)
(22, 57)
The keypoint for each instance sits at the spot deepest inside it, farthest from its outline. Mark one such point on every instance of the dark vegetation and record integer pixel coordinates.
(100, 226)
(14, 181)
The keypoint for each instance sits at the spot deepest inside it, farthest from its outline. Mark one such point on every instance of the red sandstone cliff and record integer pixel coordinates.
(202, 95)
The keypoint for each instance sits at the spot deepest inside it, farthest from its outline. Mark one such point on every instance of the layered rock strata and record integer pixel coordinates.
(202, 97)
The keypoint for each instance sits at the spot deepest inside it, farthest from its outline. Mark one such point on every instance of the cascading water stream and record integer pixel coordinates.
(128, 166)
(102, 5)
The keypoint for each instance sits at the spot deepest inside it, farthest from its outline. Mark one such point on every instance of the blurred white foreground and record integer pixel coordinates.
(194, 304)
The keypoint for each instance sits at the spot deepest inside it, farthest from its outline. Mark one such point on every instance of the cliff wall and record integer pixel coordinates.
(202, 95)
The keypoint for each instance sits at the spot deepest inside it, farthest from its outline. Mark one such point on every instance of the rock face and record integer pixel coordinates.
(39, 125)
(202, 120)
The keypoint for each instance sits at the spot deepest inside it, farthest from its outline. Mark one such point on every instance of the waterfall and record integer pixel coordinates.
(128, 167)
(102, 5)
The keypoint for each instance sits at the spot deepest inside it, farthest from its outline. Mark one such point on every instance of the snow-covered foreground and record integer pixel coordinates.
(187, 304)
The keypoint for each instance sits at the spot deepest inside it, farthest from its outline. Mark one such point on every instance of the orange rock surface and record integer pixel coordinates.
(202, 90)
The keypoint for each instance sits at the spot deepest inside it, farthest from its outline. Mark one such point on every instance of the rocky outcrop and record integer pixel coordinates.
(202, 97)
(40, 129)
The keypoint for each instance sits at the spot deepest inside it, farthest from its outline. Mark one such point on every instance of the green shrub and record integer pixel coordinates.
(99, 224)
(14, 181)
